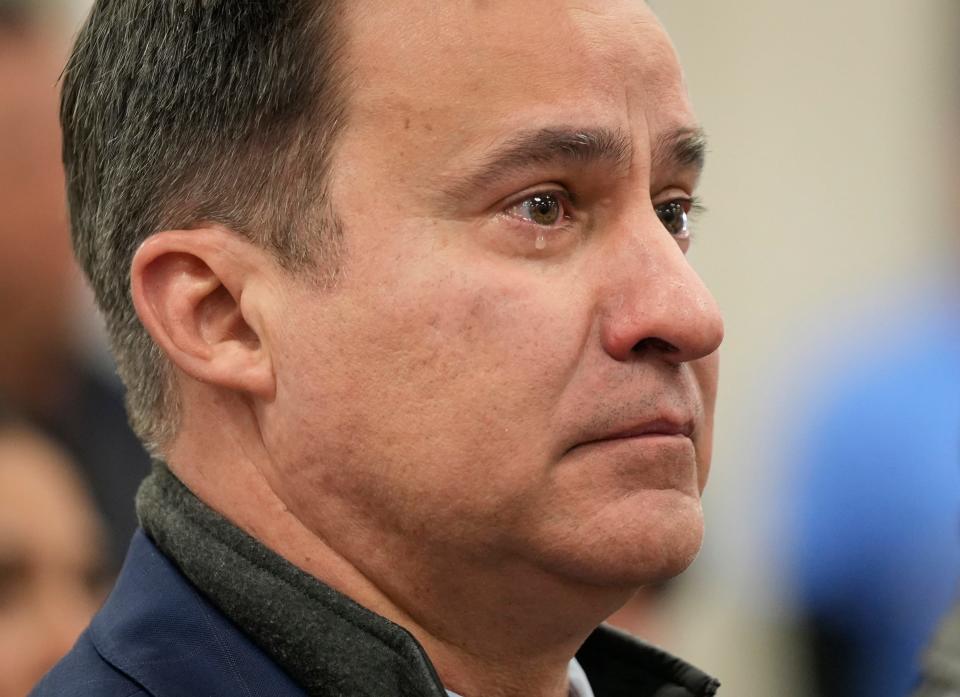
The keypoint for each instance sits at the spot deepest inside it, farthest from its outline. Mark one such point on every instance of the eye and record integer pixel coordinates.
(675, 216)
(543, 209)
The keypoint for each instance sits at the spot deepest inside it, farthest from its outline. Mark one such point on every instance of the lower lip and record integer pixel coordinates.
(647, 440)
(650, 438)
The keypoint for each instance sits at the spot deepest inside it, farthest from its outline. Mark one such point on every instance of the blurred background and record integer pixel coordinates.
(69, 465)
(832, 244)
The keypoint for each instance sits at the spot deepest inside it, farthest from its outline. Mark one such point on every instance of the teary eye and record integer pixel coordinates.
(546, 213)
(541, 209)
(675, 217)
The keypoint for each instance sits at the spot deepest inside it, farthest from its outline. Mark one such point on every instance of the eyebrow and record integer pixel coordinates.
(682, 147)
(545, 146)
(685, 148)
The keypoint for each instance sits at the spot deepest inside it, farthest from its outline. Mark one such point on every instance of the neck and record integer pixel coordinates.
(490, 628)
(496, 628)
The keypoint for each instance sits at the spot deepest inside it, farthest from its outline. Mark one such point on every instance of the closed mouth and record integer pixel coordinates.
(656, 428)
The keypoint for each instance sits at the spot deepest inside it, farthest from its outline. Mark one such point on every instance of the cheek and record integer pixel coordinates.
(706, 371)
(427, 383)
(479, 358)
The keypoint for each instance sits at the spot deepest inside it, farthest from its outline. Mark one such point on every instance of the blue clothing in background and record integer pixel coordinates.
(874, 501)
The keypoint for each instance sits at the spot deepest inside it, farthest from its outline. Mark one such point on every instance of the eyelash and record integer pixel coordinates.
(690, 207)
(564, 198)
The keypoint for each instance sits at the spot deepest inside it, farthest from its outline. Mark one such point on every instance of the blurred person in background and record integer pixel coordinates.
(940, 668)
(47, 369)
(873, 503)
(941, 661)
(51, 558)
(872, 506)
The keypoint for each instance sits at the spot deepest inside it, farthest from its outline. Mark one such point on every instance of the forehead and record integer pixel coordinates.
(468, 70)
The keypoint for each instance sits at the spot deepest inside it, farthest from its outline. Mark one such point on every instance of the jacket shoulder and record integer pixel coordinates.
(158, 636)
(84, 673)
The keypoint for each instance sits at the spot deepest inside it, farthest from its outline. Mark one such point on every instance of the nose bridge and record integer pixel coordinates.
(653, 297)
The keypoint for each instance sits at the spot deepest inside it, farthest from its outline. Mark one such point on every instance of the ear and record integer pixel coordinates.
(199, 293)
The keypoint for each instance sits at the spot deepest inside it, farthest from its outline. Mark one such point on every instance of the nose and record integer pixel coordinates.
(653, 302)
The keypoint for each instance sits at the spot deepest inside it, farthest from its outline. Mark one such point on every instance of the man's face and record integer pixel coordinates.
(50, 563)
(517, 366)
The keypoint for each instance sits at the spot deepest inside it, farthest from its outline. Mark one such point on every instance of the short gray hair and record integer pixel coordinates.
(182, 112)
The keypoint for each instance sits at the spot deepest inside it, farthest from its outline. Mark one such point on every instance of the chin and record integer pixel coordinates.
(652, 539)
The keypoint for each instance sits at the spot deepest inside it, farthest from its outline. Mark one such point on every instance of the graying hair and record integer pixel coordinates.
(177, 113)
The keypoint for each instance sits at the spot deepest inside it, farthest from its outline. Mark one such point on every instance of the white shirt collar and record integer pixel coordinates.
(579, 684)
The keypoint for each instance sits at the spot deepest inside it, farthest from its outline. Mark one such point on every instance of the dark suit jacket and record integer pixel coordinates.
(157, 635)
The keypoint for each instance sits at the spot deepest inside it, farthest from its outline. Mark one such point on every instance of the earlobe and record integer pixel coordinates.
(196, 292)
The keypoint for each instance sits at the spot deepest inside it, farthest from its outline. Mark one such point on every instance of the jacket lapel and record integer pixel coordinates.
(158, 630)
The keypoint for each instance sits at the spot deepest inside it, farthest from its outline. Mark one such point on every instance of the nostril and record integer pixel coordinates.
(654, 344)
